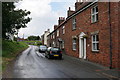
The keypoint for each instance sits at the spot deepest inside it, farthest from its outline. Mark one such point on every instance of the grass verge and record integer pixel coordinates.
(10, 50)
(37, 43)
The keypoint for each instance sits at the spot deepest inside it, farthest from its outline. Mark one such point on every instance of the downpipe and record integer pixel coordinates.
(110, 32)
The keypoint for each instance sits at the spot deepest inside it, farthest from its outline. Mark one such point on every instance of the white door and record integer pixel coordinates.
(82, 46)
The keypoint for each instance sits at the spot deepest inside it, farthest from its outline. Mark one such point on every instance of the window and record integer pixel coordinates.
(63, 44)
(53, 44)
(74, 23)
(63, 29)
(53, 35)
(95, 42)
(74, 44)
(57, 32)
(94, 14)
(54, 49)
(48, 37)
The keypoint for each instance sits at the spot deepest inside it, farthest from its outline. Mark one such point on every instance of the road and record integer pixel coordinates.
(32, 64)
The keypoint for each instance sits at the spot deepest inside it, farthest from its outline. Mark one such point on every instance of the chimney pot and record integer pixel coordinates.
(61, 19)
(69, 8)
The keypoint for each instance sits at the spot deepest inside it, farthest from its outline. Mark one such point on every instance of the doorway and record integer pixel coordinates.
(82, 46)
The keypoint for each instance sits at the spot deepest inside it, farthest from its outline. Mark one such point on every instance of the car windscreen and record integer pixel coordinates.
(55, 49)
(43, 47)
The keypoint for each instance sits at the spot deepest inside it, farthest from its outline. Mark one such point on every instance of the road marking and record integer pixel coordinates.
(40, 54)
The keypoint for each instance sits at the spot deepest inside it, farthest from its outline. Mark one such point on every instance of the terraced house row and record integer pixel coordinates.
(91, 32)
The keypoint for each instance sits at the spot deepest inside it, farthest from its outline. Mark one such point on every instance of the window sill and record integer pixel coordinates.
(95, 51)
(94, 22)
(73, 29)
(74, 49)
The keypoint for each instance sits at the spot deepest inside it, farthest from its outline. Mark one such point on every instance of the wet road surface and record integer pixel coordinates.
(32, 64)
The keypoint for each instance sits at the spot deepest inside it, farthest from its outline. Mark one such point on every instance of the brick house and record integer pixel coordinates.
(91, 32)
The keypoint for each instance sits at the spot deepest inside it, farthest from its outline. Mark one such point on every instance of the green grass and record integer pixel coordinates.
(32, 41)
(10, 50)
(37, 43)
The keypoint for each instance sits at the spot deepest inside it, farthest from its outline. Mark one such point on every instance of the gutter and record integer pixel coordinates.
(83, 9)
(110, 32)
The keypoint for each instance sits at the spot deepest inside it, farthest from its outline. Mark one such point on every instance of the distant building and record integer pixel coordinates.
(44, 37)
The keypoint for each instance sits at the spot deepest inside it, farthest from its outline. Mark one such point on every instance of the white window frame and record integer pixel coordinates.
(53, 44)
(63, 30)
(73, 23)
(95, 42)
(94, 17)
(63, 44)
(57, 33)
(74, 44)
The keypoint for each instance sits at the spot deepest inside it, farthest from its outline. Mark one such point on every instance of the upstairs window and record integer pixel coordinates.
(73, 23)
(63, 29)
(74, 44)
(57, 32)
(95, 42)
(63, 44)
(94, 14)
(53, 35)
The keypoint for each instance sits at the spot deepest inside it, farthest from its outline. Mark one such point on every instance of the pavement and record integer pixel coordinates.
(32, 64)
(112, 73)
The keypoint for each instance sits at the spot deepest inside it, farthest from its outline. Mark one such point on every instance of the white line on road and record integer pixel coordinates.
(40, 54)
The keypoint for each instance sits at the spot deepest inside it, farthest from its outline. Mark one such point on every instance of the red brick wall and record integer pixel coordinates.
(115, 34)
(119, 39)
(84, 25)
(68, 39)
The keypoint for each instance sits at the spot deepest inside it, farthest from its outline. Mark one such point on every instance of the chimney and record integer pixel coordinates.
(61, 19)
(77, 4)
(48, 30)
(69, 12)
(55, 27)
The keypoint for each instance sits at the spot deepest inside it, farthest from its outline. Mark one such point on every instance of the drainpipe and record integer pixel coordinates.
(110, 32)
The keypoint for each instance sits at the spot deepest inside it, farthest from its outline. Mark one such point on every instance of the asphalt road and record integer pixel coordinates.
(32, 64)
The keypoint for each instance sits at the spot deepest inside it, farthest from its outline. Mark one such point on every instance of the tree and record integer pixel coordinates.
(13, 20)
(33, 38)
(38, 38)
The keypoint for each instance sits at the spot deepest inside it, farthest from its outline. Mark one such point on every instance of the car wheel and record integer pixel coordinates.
(60, 58)
(45, 55)
(49, 57)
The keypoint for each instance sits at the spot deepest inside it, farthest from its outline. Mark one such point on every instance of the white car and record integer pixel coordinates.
(42, 48)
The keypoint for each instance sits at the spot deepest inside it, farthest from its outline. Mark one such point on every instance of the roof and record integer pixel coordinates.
(83, 7)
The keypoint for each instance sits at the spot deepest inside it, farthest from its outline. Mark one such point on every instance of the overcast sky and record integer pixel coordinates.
(44, 14)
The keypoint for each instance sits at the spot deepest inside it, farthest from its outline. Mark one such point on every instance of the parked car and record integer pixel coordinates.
(53, 53)
(42, 48)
